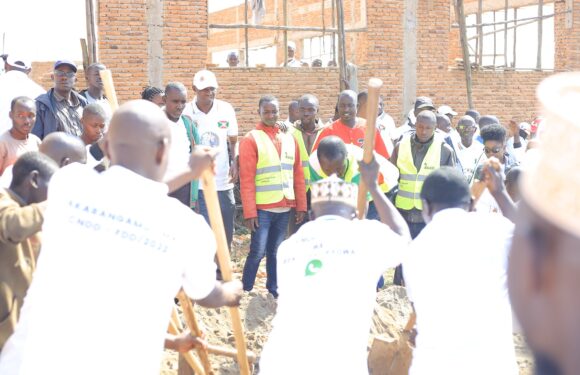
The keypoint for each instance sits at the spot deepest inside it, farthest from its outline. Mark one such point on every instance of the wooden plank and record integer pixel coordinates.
(465, 48)
(223, 255)
(540, 32)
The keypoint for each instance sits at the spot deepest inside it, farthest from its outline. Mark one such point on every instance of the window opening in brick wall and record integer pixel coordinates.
(319, 47)
(320, 29)
(523, 33)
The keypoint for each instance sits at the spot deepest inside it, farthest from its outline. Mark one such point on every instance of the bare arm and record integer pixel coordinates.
(387, 212)
(494, 183)
(223, 294)
(202, 157)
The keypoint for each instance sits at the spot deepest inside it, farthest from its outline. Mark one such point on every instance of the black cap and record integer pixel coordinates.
(423, 102)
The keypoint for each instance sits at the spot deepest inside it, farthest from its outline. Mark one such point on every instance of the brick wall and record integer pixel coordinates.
(123, 47)
(123, 42)
(243, 87)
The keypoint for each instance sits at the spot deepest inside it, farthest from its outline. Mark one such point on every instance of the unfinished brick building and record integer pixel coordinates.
(412, 45)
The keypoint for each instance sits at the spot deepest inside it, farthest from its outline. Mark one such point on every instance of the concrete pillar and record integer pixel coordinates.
(154, 14)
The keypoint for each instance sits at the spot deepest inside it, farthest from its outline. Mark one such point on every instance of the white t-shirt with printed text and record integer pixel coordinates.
(116, 250)
(327, 278)
(214, 128)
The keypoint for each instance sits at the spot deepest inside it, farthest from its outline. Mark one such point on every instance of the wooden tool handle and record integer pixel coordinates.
(375, 85)
(107, 78)
(223, 254)
(189, 315)
(189, 358)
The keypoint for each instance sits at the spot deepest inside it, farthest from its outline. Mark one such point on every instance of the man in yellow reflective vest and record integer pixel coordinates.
(271, 184)
(416, 155)
(305, 131)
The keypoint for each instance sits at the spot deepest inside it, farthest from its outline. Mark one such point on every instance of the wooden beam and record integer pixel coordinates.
(282, 28)
(465, 48)
(285, 12)
(333, 32)
(246, 42)
(540, 30)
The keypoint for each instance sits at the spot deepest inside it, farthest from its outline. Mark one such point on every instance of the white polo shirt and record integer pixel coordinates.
(214, 128)
(115, 252)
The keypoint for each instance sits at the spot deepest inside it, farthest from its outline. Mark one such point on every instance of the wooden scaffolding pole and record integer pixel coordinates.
(479, 34)
(494, 41)
(505, 29)
(464, 46)
(341, 44)
(540, 27)
(246, 42)
(333, 32)
(515, 36)
(285, 12)
(91, 31)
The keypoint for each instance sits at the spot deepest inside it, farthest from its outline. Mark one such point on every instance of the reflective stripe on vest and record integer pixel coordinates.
(274, 173)
(411, 181)
(297, 134)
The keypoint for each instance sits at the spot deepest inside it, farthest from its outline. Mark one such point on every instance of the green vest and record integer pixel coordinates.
(297, 134)
(411, 181)
(351, 174)
(274, 174)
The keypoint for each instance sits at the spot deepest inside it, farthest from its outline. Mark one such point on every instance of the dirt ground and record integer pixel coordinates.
(258, 309)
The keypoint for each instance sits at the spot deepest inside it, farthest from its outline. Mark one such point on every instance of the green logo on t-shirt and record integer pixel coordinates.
(223, 124)
(313, 267)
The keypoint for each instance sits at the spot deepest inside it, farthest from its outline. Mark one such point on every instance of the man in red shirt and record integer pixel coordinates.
(271, 183)
(348, 127)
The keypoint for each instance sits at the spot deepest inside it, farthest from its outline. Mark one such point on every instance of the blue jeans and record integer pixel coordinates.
(265, 240)
(228, 209)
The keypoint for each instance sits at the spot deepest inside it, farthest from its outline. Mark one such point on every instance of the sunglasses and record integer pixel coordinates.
(494, 150)
(60, 73)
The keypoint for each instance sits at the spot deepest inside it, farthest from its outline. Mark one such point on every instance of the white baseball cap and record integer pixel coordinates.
(17, 62)
(204, 79)
(446, 110)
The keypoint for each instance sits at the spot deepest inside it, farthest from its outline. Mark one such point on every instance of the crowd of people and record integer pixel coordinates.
(103, 220)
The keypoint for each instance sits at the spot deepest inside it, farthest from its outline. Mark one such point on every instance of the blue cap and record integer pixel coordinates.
(66, 62)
